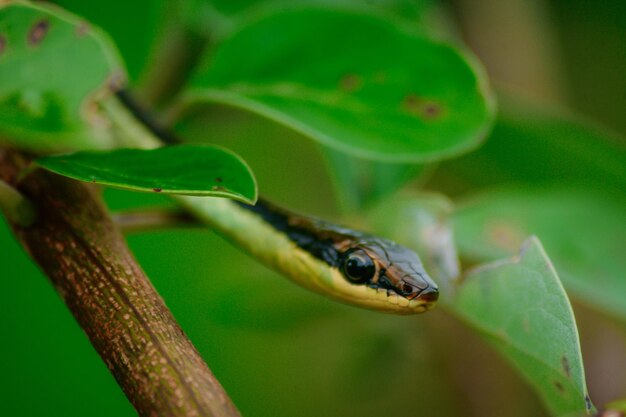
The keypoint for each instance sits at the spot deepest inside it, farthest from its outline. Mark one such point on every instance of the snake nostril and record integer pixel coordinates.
(407, 288)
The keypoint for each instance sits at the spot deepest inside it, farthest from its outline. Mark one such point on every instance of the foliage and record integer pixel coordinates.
(383, 103)
(374, 91)
(526, 333)
(209, 171)
(47, 110)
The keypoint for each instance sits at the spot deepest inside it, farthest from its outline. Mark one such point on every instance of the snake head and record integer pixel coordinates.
(392, 270)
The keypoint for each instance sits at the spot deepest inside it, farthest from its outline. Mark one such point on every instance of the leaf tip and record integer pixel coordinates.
(530, 243)
(588, 404)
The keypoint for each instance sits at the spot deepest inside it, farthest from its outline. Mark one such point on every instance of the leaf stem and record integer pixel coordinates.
(129, 131)
(177, 52)
(15, 206)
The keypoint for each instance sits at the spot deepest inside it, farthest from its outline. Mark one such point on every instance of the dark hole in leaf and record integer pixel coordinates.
(431, 110)
(565, 365)
(218, 179)
(157, 190)
(38, 31)
(558, 386)
(588, 402)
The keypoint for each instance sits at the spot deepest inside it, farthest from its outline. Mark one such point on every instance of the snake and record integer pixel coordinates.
(354, 267)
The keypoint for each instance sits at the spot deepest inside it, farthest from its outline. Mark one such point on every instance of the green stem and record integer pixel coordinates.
(187, 33)
(15, 206)
(129, 132)
(179, 52)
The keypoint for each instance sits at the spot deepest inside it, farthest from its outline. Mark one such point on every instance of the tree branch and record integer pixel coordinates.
(78, 247)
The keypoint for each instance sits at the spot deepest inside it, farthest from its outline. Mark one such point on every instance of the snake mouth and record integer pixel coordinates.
(408, 293)
(418, 301)
(424, 300)
(427, 295)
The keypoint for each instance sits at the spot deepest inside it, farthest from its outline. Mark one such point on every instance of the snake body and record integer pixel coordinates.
(354, 267)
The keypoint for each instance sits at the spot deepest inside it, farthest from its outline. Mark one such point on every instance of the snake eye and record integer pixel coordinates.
(358, 267)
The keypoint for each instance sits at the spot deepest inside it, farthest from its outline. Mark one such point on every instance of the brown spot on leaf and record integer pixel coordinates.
(411, 102)
(157, 190)
(82, 29)
(350, 83)
(38, 31)
(420, 107)
(3, 44)
(559, 387)
(218, 188)
(504, 235)
(431, 110)
(116, 80)
(565, 365)
(218, 179)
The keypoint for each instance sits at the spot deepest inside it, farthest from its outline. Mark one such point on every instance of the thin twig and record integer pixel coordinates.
(147, 219)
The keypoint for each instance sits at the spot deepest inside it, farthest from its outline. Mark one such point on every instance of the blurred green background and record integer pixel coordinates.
(277, 349)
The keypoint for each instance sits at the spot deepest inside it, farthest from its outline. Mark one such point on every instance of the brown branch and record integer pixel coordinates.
(78, 247)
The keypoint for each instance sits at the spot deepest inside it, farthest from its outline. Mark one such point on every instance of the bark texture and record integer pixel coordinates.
(79, 248)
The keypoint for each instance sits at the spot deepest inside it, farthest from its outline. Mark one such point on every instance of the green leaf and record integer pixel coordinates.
(521, 308)
(582, 229)
(408, 9)
(54, 67)
(183, 169)
(218, 19)
(134, 34)
(354, 82)
(360, 182)
(533, 143)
